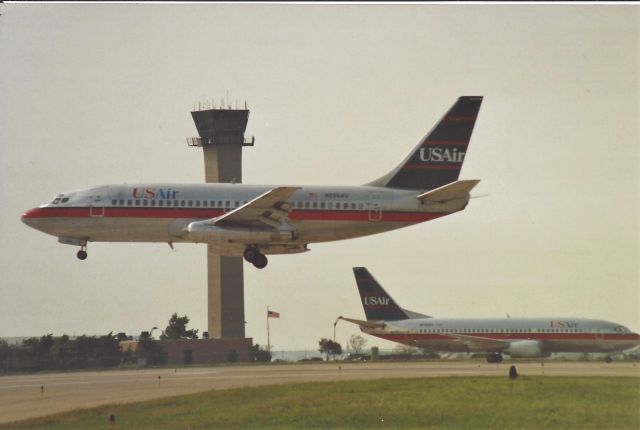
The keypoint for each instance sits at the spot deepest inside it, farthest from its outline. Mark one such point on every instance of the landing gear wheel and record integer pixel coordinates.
(494, 358)
(260, 261)
(250, 254)
(82, 254)
(608, 359)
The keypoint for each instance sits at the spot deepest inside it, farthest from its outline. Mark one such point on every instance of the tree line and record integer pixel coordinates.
(85, 352)
(50, 352)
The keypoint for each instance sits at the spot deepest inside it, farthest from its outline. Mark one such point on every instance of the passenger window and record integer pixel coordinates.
(307, 205)
(204, 203)
(145, 202)
(330, 205)
(353, 205)
(137, 202)
(321, 205)
(160, 202)
(121, 202)
(190, 203)
(153, 202)
(114, 202)
(237, 203)
(227, 203)
(360, 206)
(129, 202)
(198, 203)
(182, 203)
(315, 205)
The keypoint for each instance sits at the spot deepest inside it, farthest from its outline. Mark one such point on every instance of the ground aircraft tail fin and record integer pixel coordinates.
(438, 158)
(378, 304)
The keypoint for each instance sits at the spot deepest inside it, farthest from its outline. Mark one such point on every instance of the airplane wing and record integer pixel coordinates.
(365, 324)
(269, 209)
(475, 343)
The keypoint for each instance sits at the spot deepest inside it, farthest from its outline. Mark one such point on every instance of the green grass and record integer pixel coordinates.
(431, 403)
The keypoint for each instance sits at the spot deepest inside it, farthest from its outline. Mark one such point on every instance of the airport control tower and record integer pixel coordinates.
(221, 138)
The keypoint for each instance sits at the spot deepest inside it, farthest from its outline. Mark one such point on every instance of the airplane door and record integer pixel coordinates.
(598, 336)
(375, 206)
(97, 206)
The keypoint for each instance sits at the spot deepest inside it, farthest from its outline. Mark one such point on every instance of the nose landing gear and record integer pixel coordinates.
(82, 254)
(255, 257)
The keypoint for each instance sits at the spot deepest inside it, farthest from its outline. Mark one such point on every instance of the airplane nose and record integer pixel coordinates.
(30, 217)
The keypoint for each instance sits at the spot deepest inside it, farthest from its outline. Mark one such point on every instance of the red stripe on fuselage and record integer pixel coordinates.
(511, 336)
(207, 213)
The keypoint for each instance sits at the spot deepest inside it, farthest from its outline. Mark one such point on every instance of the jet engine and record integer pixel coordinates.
(202, 232)
(525, 349)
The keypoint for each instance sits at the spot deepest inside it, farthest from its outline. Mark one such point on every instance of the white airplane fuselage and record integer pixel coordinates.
(526, 337)
(160, 212)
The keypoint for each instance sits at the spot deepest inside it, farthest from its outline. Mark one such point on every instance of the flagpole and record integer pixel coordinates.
(268, 335)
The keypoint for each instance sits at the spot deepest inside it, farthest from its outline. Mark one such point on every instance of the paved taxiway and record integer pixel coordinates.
(21, 396)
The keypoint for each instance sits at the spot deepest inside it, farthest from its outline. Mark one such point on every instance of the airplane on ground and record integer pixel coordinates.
(517, 337)
(254, 221)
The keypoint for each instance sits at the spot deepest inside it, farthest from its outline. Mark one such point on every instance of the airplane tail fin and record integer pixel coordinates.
(438, 158)
(377, 303)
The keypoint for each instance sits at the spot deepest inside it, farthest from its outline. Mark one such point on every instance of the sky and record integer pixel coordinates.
(95, 94)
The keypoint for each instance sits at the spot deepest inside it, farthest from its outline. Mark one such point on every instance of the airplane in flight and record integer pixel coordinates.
(254, 221)
(517, 337)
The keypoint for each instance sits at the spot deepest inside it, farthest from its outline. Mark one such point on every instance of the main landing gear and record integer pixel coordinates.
(494, 357)
(255, 257)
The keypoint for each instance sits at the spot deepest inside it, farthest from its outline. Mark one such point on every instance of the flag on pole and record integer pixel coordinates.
(272, 314)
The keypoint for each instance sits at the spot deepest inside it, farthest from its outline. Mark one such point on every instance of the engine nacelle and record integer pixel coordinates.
(206, 233)
(525, 349)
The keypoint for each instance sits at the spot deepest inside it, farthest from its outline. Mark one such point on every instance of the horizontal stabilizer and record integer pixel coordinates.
(415, 315)
(451, 191)
(365, 324)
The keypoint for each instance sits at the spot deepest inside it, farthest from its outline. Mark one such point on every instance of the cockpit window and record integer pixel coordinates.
(64, 200)
(55, 201)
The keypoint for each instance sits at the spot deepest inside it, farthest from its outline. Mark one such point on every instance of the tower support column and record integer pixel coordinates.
(222, 139)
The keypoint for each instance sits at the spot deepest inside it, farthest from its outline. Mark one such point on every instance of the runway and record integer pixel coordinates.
(28, 396)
